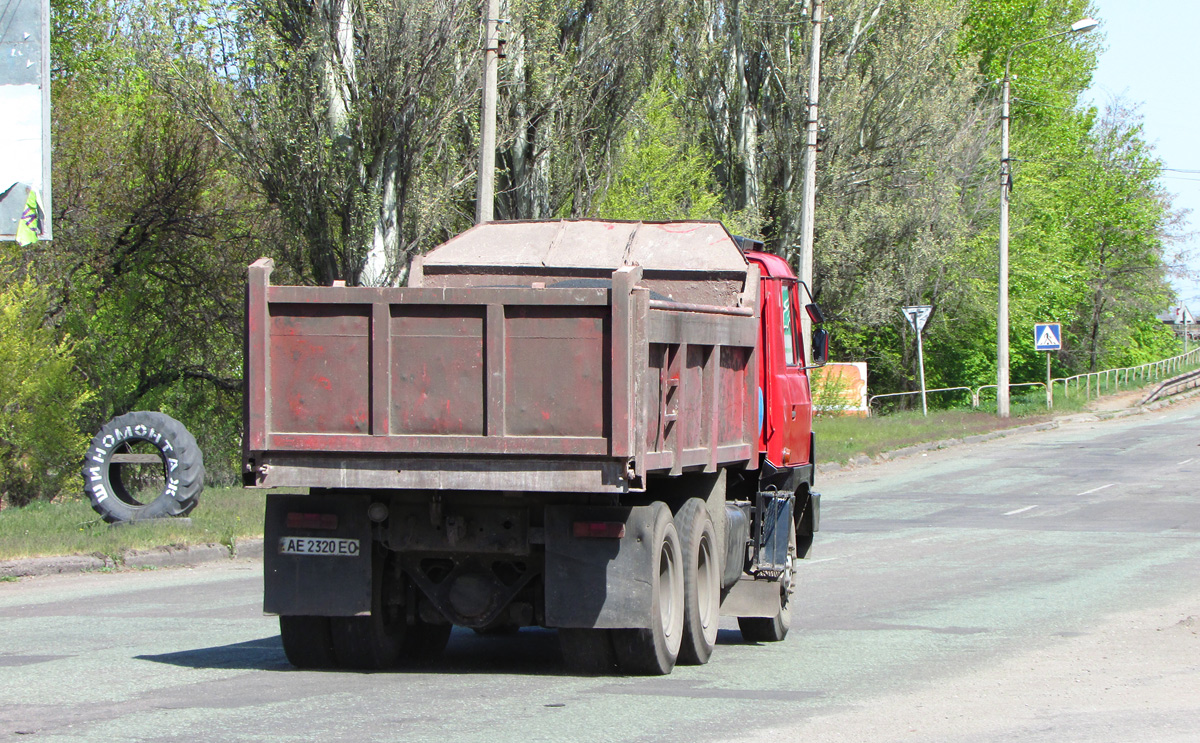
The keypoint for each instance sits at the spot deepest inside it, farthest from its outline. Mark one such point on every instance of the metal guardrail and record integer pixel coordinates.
(1176, 385)
(968, 390)
(1108, 379)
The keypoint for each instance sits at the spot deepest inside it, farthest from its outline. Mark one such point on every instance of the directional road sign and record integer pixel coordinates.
(917, 316)
(1047, 336)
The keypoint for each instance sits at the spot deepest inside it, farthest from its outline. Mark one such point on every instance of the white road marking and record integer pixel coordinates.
(1020, 510)
(1185, 462)
(1096, 490)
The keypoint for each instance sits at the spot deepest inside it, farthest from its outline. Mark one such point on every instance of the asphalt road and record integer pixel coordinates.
(1042, 587)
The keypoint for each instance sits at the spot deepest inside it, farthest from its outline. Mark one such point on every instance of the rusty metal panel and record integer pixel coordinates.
(692, 412)
(495, 360)
(496, 373)
(623, 351)
(320, 368)
(671, 461)
(704, 328)
(673, 246)
(257, 359)
(385, 470)
(366, 295)
(711, 407)
(557, 371)
(583, 446)
(381, 357)
(733, 381)
(437, 368)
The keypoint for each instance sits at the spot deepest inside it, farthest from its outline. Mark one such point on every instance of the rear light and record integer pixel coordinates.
(327, 521)
(598, 529)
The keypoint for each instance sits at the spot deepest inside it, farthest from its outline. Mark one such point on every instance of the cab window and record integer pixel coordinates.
(791, 334)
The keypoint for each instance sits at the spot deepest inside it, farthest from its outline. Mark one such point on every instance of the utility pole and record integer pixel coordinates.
(808, 200)
(1002, 408)
(1083, 25)
(485, 190)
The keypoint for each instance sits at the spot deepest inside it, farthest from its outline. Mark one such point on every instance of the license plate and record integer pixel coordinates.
(318, 546)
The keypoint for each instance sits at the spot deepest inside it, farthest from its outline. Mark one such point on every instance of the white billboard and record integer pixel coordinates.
(25, 122)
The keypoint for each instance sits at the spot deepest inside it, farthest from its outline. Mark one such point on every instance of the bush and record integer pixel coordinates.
(41, 397)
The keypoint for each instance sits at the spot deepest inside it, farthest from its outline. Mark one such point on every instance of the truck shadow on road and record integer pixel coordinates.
(531, 651)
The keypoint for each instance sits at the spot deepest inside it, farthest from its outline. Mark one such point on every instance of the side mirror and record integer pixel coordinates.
(814, 313)
(820, 345)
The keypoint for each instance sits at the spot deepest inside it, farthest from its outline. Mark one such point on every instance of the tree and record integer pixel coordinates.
(43, 396)
(344, 113)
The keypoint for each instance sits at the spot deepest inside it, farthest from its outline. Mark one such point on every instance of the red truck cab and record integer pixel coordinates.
(785, 432)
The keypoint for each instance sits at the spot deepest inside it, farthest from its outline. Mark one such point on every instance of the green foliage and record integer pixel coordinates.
(70, 527)
(42, 398)
(192, 138)
(658, 174)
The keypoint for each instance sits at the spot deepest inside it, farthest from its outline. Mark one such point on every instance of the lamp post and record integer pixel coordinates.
(1002, 408)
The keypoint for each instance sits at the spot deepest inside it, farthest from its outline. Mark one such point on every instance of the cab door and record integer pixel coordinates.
(788, 401)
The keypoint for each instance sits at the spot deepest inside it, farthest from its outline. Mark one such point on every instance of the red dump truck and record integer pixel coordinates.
(599, 427)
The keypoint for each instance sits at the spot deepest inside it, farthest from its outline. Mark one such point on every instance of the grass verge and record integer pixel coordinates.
(224, 516)
(840, 438)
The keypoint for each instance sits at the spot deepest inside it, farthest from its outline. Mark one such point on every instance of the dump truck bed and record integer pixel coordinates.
(514, 387)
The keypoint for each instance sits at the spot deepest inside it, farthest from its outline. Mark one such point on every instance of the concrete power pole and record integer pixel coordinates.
(808, 200)
(1002, 399)
(485, 190)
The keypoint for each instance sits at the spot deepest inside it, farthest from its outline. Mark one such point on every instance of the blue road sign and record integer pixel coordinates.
(1047, 336)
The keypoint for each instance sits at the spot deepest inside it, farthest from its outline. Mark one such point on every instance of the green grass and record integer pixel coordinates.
(71, 527)
(839, 438)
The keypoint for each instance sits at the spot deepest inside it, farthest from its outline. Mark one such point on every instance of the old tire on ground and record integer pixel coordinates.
(588, 652)
(307, 642)
(653, 651)
(701, 582)
(374, 642)
(774, 629)
(154, 433)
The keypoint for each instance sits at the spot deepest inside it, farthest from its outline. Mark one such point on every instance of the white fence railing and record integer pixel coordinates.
(1098, 382)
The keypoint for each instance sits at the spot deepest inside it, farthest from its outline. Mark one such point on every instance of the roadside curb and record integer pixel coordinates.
(863, 460)
(160, 557)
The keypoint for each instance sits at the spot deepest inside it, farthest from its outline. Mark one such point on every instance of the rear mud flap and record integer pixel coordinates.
(599, 582)
(317, 555)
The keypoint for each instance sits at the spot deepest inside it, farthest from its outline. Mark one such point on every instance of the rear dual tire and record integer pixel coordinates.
(701, 582)
(640, 652)
(377, 642)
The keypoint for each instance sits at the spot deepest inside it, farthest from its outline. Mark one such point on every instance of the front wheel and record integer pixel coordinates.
(774, 629)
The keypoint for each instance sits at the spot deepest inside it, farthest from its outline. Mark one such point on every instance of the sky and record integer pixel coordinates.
(1151, 58)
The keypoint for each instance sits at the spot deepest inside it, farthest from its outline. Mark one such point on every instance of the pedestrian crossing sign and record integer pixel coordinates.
(1047, 336)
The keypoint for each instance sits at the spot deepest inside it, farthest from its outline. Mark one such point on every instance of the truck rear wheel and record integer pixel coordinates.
(425, 641)
(653, 651)
(374, 642)
(701, 582)
(587, 651)
(307, 642)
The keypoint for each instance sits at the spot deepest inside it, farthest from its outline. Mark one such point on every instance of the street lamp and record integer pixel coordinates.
(1080, 26)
